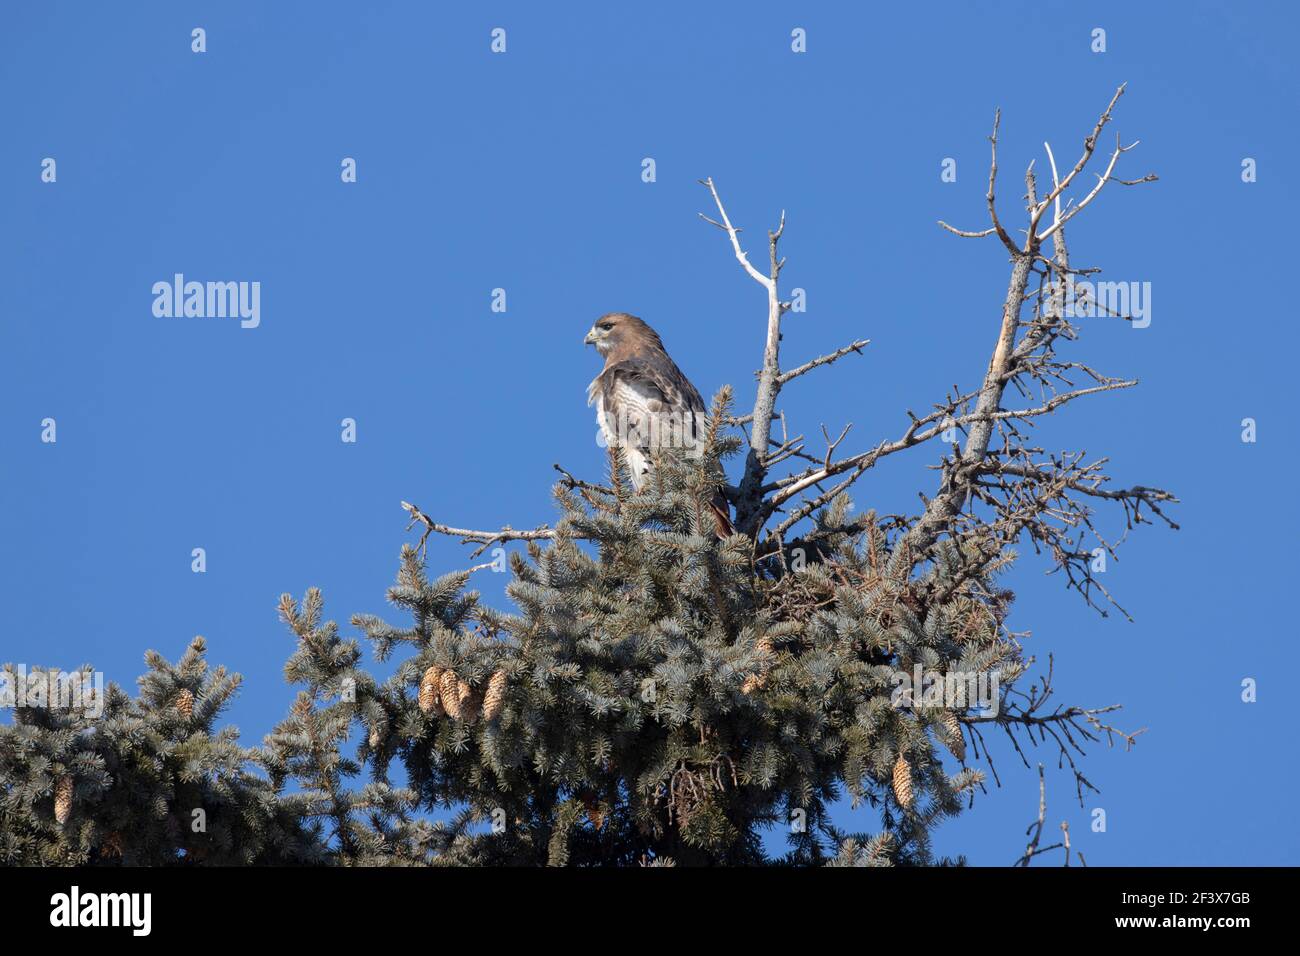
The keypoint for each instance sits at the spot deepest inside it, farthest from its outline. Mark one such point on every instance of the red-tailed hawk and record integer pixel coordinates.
(643, 401)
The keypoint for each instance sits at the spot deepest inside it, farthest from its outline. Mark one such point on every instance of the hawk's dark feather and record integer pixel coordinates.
(640, 392)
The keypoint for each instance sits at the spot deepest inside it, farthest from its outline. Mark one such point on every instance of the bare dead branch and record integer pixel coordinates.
(471, 536)
(993, 175)
(1137, 494)
(823, 360)
(968, 235)
(1036, 829)
(1089, 144)
(1069, 728)
(1101, 182)
(1032, 358)
(749, 511)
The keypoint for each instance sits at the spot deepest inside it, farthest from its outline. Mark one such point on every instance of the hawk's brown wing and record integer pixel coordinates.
(634, 390)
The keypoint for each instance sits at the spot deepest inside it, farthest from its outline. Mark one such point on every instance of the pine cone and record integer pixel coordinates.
(495, 698)
(429, 690)
(185, 703)
(903, 783)
(955, 740)
(449, 691)
(375, 738)
(758, 681)
(63, 798)
(471, 700)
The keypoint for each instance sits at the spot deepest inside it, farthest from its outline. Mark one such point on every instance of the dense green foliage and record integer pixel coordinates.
(658, 697)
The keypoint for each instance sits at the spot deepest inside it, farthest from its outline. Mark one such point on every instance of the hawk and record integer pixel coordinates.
(643, 401)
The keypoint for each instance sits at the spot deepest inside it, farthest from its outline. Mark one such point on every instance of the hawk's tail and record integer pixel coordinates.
(721, 516)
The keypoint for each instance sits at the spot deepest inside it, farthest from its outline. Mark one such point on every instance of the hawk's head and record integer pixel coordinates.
(622, 333)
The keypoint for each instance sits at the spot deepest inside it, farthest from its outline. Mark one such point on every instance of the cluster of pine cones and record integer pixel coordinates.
(442, 692)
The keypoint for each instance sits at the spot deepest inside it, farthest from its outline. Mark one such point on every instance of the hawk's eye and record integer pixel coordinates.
(606, 326)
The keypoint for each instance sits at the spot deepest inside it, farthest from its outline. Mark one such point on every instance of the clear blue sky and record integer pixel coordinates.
(522, 171)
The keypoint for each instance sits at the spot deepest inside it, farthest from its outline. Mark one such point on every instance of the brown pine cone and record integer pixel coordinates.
(495, 698)
(63, 798)
(471, 701)
(903, 783)
(430, 689)
(449, 691)
(954, 739)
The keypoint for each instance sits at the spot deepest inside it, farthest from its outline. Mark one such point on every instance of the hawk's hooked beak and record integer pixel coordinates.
(590, 339)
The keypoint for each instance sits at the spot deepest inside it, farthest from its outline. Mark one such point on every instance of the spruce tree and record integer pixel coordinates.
(150, 780)
(371, 825)
(658, 697)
